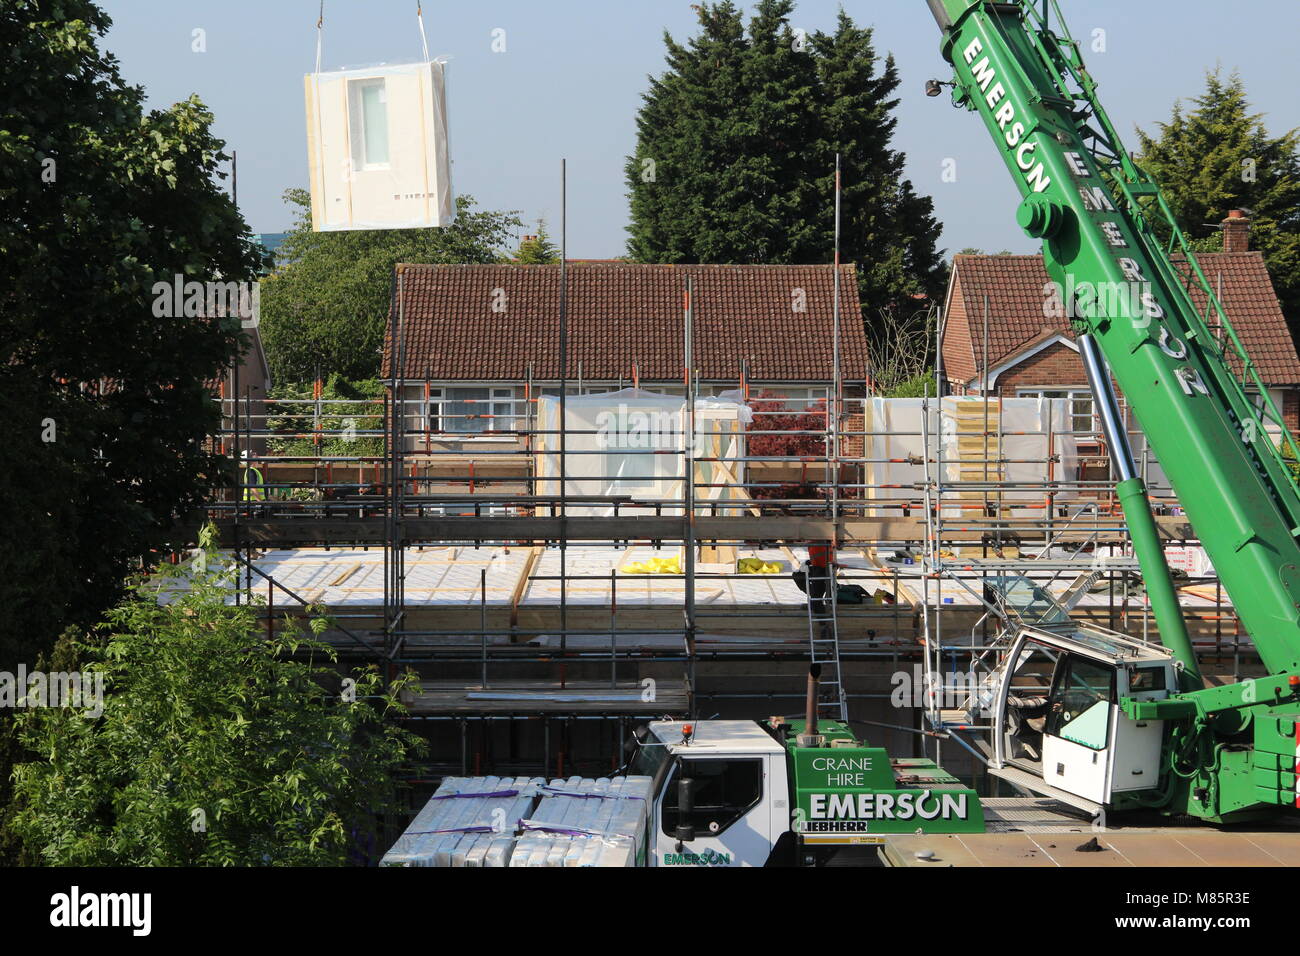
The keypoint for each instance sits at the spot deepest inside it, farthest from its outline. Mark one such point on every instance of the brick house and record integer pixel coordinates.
(481, 342)
(1027, 349)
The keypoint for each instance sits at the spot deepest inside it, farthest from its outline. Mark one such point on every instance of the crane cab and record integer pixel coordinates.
(1058, 728)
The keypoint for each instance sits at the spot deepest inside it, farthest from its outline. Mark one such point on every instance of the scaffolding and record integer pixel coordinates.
(572, 634)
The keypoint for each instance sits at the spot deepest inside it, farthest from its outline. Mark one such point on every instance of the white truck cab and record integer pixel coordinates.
(738, 795)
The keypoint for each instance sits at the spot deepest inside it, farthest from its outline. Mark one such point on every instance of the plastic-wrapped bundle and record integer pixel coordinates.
(585, 822)
(469, 821)
(378, 147)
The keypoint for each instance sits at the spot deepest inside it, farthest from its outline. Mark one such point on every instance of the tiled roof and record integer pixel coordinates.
(1015, 289)
(622, 313)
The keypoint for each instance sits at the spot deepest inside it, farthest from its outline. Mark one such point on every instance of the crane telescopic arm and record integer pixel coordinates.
(1096, 213)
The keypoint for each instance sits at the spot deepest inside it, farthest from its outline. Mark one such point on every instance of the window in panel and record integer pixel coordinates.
(369, 123)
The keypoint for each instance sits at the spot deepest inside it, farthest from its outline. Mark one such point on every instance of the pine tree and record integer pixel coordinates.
(537, 250)
(736, 147)
(1219, 156)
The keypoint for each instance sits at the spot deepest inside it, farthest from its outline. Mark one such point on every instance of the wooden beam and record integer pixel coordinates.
(275, 532)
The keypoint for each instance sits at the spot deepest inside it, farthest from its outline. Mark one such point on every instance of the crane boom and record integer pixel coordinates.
(1097, 214)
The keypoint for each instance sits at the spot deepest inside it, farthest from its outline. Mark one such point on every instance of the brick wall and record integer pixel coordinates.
(1056, 366)
(958, 350)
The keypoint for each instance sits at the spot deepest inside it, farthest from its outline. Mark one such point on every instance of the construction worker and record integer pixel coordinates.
(817, 577)
(253, 483)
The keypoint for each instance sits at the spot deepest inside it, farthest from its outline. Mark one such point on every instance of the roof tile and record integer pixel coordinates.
(1015, 286)
(621, 314)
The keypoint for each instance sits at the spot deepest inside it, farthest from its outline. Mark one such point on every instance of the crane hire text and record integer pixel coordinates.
(1013, 131)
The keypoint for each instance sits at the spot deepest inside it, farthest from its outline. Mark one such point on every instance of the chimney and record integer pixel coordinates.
(1236, 231)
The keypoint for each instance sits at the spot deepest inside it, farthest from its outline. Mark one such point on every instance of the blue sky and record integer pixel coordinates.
(570, 81)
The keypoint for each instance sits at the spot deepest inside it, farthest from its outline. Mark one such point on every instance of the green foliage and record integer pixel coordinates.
(735, 154)
(1289, 459)
(918, 386)
(324, 309)
(105, 402)
(1219, 156)
(538, 250)
(343, 427)
(216, 745)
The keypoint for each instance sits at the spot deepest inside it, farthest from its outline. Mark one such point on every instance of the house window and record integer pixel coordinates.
(470, 410)
(368, 113)
(798, 399)
(634, 458)
(1081, 423)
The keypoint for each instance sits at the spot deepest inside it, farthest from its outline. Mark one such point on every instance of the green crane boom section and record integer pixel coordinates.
(1185, 375)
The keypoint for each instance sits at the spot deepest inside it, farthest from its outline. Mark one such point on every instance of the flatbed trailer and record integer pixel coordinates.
(1127, 847)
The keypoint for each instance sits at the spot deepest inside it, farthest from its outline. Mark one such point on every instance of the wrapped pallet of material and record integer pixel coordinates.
(469, 821)
(630, 444)
(377, 145)
(585, 822)
(1008, 453)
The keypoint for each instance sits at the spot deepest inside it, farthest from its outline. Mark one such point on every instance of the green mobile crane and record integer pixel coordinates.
(1126, 723)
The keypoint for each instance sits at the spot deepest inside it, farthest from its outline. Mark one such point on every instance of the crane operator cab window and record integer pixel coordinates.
(1079, 709)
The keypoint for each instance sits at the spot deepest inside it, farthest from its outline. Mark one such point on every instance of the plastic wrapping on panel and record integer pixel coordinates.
(630, 444)
(469, 821)
(522, 821)
(585, 822)
(378, 149)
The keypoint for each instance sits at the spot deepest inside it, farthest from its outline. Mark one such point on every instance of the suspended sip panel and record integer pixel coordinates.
(377, 148)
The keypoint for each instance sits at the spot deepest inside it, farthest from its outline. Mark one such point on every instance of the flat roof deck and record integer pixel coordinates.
(463, 575)
(1173, 846)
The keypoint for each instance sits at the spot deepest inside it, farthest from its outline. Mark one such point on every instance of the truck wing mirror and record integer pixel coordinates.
(685, 806)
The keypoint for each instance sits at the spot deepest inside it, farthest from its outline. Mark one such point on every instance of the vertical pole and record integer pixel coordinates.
(984, 391)
(688, 349)
(482, 621)
(836, 400)
(529, 425)
(240, 465)
(613, 627)
(564, 425)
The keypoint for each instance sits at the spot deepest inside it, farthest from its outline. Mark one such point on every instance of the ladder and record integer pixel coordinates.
(824, 641)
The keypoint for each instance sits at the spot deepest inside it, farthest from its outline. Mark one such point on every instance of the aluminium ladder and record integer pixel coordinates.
(824, 641)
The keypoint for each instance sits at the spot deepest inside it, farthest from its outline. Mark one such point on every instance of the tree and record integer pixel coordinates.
(537, 250)
(902, 345)
(215, 745)
(352, 429)
(104, 385)
(324, 309)
(802, 437)
(736, 146)
(1219, 156)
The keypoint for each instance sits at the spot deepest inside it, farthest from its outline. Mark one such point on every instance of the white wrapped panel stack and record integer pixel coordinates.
(469, 821)
(378, 147)
(585, 822)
